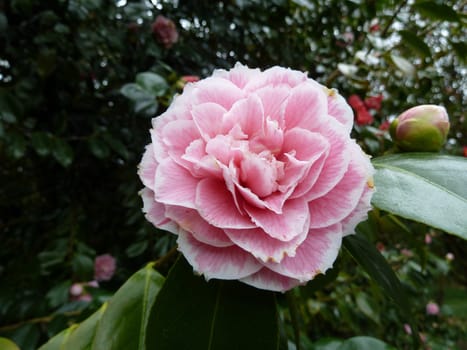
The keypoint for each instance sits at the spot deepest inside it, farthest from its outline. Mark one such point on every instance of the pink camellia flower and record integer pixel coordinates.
(432, 308)
(256, 174)
(164, 31)
(104, 267)
(190, 78)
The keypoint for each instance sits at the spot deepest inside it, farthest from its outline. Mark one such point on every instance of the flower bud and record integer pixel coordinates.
(422, 128)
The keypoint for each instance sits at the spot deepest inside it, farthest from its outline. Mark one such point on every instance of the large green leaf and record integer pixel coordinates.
(119, 324)
(364, 343)
(415, 43)
(371, 260)
(191, 314)
(424, 187)
(123, 325)
(7, 344)
(436, 11)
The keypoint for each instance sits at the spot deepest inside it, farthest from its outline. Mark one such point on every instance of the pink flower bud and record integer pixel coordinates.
(104, 267)
(428, 238)
(407, 329)
(164, 31)
(432, 308)
(76, 289)
(449, 257)
(422, 128)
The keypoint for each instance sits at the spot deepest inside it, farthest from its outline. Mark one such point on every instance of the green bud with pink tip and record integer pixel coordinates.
(422, 128)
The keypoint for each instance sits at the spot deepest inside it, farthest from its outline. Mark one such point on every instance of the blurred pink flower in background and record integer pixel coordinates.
(256, 173)
(76, 289)
(407, 329)
(449, 257)
(432, 308)
(190, 78)
(464, 151)
(164, 31)
(428, 238)
(104, 267)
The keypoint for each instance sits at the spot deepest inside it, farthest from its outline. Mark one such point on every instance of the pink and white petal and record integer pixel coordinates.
(262, 246)
(277, 76)
(309, 180)
(208, 119)
(248, 114)
(177, 136)
(274, 100)
(306, 107)
(337, 161)
(315, 255)
(175, 185)
(190, 221)
(360, 213)
(305, 145)
(216, 205)
(343, 198)
(201, 164)
(240, 75)
(286, 226)
(339, 109)
(147, 167)
(227, 263)
(258, 174)
(269, 280)
(338, 203)
(217, 90)
(155, 212)
(160, 150)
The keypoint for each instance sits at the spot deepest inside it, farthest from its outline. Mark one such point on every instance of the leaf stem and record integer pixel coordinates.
(294, 316)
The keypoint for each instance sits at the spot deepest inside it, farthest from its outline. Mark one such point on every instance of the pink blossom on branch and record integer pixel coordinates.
(104, 267)
(164, 31)
(256, 174)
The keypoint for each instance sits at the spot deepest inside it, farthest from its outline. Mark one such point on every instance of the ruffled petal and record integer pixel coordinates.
(175, 185)
(343, 198)
(216, 205)
(315, 255)
(190, 221)
(286, 226)
(262, 246)
(339, 109)
(147, 167)
(306, 107)
(269, 280)
(227, 263)
(218, 91)
(155, 212)
(208, 119)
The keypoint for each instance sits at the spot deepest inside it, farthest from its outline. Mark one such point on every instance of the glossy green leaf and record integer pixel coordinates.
(436, 11)
(7, 344)
(63, 152)
(424, 187)
(415, 43)
(119, 324)
(123, 325)
(364, 343)
(192, 314)
(460, 48)
(371, 260)
(152, 82)
(135, 92)
(42, 143)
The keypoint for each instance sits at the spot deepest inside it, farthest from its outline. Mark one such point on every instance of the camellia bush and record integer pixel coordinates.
(279, 174)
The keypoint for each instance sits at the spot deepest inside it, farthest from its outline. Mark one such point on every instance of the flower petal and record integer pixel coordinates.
(190, 221)
(208, 119)
(217, 90)
(339, 109)
(315, 255)
(226, 263)
(248, 114)
(269, 280)
(216, 205)
(306, 107)
(360, 213)
(336, 163)
(286, 226)
(262, 246)
(175, 185)
(147, 167)
(155, 212)
(343, 198)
